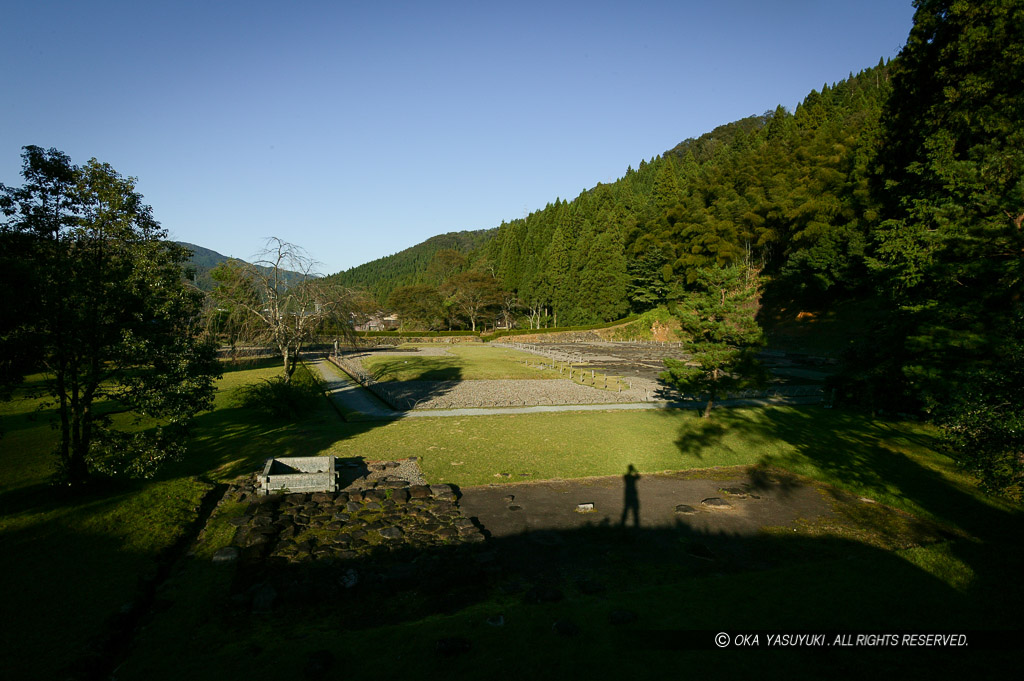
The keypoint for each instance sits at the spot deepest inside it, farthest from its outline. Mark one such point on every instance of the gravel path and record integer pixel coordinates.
(503, 393)
(353, 398)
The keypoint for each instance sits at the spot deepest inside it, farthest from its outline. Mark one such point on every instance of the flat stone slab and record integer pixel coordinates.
(299, 474)
(715, 502)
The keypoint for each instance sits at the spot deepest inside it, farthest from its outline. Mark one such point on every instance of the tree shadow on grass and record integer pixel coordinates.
(875, 462)
(233, 366)
(416, 368)
(584, 601)
(880, 460)
(876, 459)
(700, 436)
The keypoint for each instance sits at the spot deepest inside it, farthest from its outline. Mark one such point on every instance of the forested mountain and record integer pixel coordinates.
(199, 265)
(380, 277)
(203, 260)
(787, 192)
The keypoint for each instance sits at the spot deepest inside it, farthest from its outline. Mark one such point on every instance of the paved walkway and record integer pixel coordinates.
(359, 404)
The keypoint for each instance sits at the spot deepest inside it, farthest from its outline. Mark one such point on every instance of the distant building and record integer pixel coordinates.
(381, 321)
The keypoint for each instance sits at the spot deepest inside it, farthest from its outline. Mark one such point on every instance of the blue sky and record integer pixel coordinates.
(358, 129)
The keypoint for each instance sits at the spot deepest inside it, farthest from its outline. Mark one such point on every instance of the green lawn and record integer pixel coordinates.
(889, 462)
(70, 564)
(464, 363)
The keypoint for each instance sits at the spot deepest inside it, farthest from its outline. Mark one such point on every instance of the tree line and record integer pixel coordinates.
(904, 182)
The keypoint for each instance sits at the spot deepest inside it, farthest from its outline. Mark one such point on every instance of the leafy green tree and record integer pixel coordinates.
(281, 300)
(648, 287)
(445, 264)
(718, 321)
(473, 294)
(982, 420)
(115, 328)
(419, 306)
(950, 250)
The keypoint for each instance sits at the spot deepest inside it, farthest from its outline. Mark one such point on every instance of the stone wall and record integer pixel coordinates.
(384, 515)
(378, 341)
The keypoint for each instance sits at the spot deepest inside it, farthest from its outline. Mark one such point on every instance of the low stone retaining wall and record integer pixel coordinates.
(553, 337)
(384, 392)
(377, 341)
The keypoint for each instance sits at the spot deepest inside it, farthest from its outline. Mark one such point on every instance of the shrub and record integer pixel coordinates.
(276, 398)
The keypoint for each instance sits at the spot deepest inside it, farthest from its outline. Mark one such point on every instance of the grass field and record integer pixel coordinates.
(72, 563)
(464, 363)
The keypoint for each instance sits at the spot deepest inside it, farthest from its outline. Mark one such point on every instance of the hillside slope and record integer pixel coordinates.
(380, 277)
(788, 192)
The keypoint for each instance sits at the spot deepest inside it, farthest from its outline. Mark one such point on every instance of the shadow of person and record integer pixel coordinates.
(631, 500)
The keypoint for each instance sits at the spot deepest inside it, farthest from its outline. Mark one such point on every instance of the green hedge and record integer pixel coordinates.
(413, 334)
(558, 329)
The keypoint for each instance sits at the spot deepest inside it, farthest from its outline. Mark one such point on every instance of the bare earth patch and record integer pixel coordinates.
(740, 506)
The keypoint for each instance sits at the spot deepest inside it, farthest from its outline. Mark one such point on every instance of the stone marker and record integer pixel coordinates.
(587, 507)
(735, 492)
(228, 554)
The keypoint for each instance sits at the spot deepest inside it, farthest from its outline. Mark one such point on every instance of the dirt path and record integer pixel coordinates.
(739, 507)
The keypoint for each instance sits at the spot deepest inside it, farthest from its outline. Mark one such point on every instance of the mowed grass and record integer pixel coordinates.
(70, 564)
(73, 562)
(889, 462)
(813, 580)
(464, 363)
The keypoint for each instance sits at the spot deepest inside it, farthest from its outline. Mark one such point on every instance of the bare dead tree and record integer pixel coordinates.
(280, 300)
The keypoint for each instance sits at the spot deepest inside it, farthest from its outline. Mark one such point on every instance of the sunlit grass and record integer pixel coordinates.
(464, 362)
(85, 556)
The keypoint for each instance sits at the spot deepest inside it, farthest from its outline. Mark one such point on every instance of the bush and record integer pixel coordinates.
(282, 400)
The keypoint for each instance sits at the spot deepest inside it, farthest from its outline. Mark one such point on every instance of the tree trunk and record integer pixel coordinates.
(288, 369)
(707, 408)
(712, 394)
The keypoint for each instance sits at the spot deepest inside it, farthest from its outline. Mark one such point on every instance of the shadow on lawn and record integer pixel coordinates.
(865, 455)
(425, 371)
(552, 603)
(870, 458)
(854, 452)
